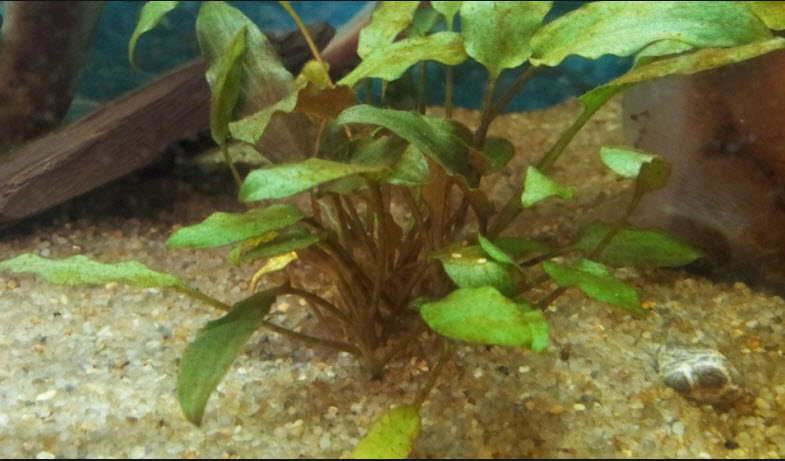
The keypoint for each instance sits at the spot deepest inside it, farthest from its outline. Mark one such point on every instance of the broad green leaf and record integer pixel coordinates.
(448, 9)
(251, 128)
(520, 247)
(623, 28)
(274, 244)
(411, 169)
(471, 267)
(226, 89)
(392, 436)
(498, 152)
(445, 141)
(771, 13)
(494, 251)
(404, 164)
(391, 62)
(285, 180)
(497, 34)
(691, 63)
(423, 22)
(151, 15)
(636, 248)
(224, 228)
(207, 359)
(623, 161)
(483, 315)
(538, 186)
(265, 80)
(79, 269)
(602, 287)
(659, 49)
(389, 19)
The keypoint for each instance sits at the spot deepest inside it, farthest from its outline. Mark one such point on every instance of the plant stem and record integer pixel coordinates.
(508, 95)
(437, 370)
(487, 114)
(313, 341)
(316, 299)
(237, 179)
(199, 296)
(422, 93)
(304, 30)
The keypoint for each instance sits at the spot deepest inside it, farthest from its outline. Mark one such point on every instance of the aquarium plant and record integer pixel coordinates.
(383, 201)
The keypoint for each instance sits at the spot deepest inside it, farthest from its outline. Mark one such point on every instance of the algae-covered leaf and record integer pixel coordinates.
(771, 13)
(151, 15)
(389, 19)
(595, 284)
(623, 161)
(636, 247)
(277, 244)
(494, 251)
(483, 315)
(285, 180)
(623, 28)
(391, 62)
(80, 269)
(470, 267)
(538, 186)
(392, 436)
(497, 34)
(226, 88)
(207, 359)
(445, 141)
(224, 228)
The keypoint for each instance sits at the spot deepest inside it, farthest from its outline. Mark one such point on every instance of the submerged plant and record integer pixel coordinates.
(385, 206)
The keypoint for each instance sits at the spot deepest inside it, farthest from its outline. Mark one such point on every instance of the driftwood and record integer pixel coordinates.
(116, 139)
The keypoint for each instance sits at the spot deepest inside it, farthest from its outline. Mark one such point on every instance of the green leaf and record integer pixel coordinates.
(423, 22)
(224, 228)
(389, 19)
(448, 9)
(520, 247)
(623, 161)
(498, 152)
(497, 34)
(265, 80)
(272, 244)
(79, 269)
(637, 248)
(251, 128)
(207, 359)
(226, 89)
(659, 49)
(391, 62)
(595, 284)
(285, 180)
(623, 28)
(483, 315)
(392, 436)
(151, 15)
(691, 63)
(494, 251)
(470, 267)
(411, 169)
(771, 13)
(445, 141)
(538, 186)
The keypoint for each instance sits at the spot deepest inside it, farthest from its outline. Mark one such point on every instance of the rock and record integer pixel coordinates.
(704, 375)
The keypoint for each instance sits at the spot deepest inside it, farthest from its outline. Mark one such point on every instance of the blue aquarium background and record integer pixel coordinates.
(108, 73)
